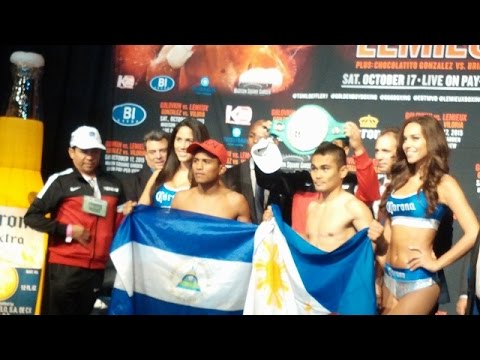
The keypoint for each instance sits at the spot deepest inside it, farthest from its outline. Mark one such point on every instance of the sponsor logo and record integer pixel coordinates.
(368, 121)
(126, 81)
(110, 188)
(234, 141)
(74, 188)
(204, 87)
(240, 115)
(392, 207)
(162, 83)
(236, 132)
(258, 81)
(128, 114)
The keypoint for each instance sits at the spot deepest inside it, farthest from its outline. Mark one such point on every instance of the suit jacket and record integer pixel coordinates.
(237, 178)
(134, 184)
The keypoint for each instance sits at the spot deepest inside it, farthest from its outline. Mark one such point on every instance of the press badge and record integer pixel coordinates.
(92, 205)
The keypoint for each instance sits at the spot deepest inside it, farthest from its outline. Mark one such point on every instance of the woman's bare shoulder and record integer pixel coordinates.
(448, 183)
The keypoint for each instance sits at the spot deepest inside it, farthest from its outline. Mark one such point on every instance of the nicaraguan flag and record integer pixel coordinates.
(178, 262)
(291, 276)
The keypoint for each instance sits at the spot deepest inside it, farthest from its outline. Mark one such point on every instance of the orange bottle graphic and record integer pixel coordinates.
(22, 250)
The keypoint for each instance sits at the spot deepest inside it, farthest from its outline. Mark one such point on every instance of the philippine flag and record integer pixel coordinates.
(178, 262)
(290, 276)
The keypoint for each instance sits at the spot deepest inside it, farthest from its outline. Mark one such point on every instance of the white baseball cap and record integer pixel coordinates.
(267, 156)
(86, 137)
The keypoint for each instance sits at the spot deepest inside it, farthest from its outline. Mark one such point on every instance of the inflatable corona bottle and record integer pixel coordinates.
(22, 250)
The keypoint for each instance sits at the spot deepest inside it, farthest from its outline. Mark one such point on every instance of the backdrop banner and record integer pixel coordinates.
(308, 91)
(229, 86)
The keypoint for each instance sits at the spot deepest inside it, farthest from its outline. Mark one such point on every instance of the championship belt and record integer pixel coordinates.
(307, 128)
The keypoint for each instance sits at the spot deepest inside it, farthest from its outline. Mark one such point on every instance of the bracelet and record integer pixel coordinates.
(68, 239)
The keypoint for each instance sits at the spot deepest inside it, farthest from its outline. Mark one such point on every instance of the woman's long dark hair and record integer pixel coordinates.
(435, 166)
(200, 134)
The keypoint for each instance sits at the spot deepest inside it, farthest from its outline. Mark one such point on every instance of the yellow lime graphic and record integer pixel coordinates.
(8, 282)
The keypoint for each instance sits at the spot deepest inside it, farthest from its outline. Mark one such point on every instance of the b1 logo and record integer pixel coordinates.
(128, 114)
(162, 83)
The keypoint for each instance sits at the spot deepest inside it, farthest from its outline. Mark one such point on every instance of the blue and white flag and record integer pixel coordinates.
(178, 262)
(291, 276)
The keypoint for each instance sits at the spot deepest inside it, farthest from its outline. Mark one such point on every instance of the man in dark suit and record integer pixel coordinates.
(241, 177)
(155, 143)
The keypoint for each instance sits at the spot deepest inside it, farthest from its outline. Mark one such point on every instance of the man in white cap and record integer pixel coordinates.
(83, 204)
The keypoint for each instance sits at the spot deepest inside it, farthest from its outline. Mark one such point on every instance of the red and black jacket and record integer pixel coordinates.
(62, 197)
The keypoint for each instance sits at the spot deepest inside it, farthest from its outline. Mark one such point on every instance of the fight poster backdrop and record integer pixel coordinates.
(304, 89)
(308, 92)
